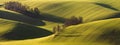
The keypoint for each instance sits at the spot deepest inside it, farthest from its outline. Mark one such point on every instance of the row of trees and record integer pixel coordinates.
(57, 29)
(35, 13)
(18, 7)
(72, 21)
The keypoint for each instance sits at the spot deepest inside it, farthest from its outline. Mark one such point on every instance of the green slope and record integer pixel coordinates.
(93, 29)
(93, 33)
(88, 10)
(19, 17)
(65, 9)
(12, 30)
(112, 3)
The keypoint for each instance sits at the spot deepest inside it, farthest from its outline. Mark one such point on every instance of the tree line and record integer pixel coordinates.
(69, 22)
(35, 13)
(20, 8)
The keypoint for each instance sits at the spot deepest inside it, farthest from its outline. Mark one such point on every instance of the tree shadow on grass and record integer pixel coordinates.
(52, 18)
(106, 6)
(114, 15)
(21, 18)
(113, 36)
(21, 32)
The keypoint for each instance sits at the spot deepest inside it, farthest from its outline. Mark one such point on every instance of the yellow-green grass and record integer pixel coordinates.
(10, 15)
(96, 29)
(3, 1)
(13, 30)
(113, 3)
(65, 9)
(92, 33)
(93, 29)
(88, 10)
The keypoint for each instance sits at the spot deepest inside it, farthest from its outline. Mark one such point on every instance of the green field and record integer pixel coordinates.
(101, 23)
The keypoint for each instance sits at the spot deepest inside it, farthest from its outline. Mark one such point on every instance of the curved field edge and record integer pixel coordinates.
(97, 32)
(65, 9)
(88, 10)
(12, 30)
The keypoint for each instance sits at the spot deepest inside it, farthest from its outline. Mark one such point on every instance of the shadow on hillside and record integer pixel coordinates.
(21, 32)
(52, 18)
(115, 15)
(106, 6)
(112, 36)
(20, 18)
(1, 5)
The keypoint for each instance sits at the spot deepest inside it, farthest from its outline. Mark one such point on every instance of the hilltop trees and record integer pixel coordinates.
(72, 21)
(15, 6)
(57, 29)
(35, 13)
(18, 7)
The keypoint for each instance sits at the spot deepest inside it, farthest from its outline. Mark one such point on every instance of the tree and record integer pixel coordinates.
(73, 21)
(57, 29)
(15, 6)
(18, 7)
(54, 30)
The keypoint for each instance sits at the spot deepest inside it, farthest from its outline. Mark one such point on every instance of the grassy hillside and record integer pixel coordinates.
(12, 30)
(88, 10)
(88, 33)
(19, 17)
(65, 9)
(95, 28)
(112, 3)
(101, 22)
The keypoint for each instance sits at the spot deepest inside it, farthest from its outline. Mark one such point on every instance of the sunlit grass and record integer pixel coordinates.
(97, 22)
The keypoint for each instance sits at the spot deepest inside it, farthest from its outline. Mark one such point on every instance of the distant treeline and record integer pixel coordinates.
(69, 22)
(35, 13)
(31, 12)
(18, 7)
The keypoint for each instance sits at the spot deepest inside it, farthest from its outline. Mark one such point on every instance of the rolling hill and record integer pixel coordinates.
(101, 22)
(12, 30)
(88, 33)
(88, 10)
(66, 9)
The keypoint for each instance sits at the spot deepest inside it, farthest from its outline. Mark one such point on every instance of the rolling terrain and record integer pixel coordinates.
(101, 23)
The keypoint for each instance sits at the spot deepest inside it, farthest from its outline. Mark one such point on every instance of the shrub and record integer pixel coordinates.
(18, 7)
(15, 6)
(73, 21)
